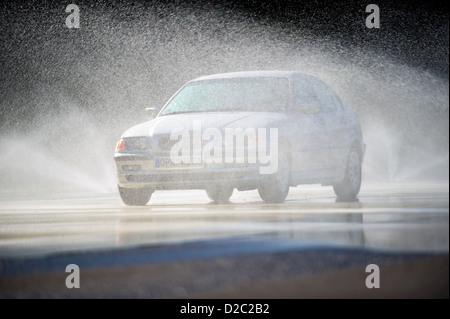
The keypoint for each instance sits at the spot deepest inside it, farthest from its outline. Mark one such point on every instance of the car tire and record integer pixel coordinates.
(219, 195)
(135, 196)
(349, 188)
(276, 188)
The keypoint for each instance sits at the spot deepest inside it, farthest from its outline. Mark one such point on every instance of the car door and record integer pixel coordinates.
(308, 136)
(333, 135)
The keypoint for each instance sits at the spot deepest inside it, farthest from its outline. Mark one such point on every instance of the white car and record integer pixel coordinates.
(299, 130)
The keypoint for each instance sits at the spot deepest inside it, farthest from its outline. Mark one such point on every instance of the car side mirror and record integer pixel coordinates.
(151, 112)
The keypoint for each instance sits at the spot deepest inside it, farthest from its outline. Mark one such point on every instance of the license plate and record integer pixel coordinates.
(167, 163)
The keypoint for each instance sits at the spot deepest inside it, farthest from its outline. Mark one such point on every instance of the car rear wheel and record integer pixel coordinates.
(349, 188)
(135, 196)
(276, 188)
(219, 194)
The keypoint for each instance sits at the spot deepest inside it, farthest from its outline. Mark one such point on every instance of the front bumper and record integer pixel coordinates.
(138, 171)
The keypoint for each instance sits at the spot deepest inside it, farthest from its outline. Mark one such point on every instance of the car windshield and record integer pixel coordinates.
(231, 95)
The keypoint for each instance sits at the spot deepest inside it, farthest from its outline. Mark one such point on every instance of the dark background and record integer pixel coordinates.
(70, 93)
(38, 51)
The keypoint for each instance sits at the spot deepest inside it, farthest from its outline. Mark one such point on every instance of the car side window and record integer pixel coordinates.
(336, 100)
(305, 99)
(324, 95)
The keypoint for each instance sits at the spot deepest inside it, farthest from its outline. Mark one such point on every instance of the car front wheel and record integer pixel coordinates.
(135, 196)
(349, 188)
(276, 188)
(220, 195)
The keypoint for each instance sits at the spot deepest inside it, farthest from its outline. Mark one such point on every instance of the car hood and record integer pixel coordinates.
(164, 125)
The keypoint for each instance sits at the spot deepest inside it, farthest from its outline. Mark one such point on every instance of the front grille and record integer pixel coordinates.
(165, 143)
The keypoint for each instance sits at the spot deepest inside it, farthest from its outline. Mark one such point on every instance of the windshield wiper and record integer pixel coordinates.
(184, 112)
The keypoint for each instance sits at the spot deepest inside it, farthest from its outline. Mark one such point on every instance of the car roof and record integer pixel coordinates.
(249, 74)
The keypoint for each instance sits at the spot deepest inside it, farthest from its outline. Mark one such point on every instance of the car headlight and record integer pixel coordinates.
(120, 145)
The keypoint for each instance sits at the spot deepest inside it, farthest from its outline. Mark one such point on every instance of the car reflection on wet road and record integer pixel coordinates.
(311, 231)
(392, 217)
